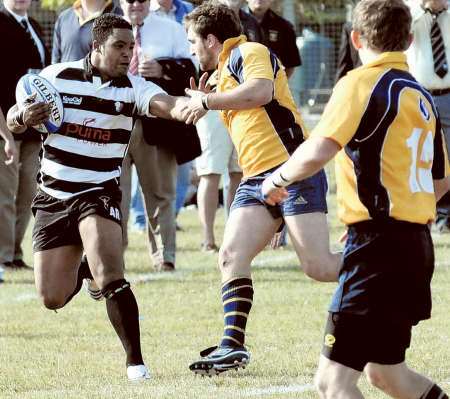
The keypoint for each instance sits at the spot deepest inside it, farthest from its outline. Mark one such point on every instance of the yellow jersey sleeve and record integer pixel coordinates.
(343, 113)
(257, 62)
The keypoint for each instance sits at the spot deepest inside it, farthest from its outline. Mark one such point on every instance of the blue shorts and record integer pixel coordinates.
(306, 196)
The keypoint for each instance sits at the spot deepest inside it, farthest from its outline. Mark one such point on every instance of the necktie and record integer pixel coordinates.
(25, 25)
(438, 48)
(133, 68)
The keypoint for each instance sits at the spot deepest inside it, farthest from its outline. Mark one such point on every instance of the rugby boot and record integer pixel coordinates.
(217, 359)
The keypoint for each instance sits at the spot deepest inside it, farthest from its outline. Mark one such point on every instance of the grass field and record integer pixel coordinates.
(75, 354)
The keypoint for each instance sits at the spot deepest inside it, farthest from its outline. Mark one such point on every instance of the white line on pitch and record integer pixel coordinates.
(281, 389)
(26, 296)
(268, 260)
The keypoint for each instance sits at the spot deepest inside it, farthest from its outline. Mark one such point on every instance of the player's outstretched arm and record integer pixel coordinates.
(253, 93)
(10, 146)
(19, 119)
(169, 107)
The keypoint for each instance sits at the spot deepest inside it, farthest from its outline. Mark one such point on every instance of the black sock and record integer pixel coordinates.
(434, 392)
(123, 313)
(237, 298)
(83, 272)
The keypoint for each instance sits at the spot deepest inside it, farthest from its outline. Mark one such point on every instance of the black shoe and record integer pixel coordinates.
(216, 360)
(20, 264)
(178, 227)
(8, 265)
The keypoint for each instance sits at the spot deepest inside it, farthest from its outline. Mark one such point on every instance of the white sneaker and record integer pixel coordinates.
(92, 289)
(138, 373)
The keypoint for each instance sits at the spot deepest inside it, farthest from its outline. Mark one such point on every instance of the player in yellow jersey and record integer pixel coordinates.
(265, 127)
(391, 167)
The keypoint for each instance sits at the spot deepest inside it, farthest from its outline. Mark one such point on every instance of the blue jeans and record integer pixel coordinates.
(136, 205)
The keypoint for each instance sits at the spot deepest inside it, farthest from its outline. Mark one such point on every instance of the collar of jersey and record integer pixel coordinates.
(392, 57)
(90, 71)
(229, 45)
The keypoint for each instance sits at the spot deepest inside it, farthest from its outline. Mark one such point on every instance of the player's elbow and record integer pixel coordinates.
(262, 92)
(52, 303)
(441, 187)
(265, 97)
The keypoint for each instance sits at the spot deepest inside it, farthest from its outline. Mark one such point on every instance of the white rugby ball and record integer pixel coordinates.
(45, 92)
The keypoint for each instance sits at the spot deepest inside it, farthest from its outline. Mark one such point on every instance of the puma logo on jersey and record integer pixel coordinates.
(114, 212)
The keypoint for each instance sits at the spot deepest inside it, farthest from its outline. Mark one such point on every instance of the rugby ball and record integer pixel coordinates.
(44, 91)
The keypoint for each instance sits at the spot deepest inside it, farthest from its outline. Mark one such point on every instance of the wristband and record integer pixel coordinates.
(205, 102)
(278, 180)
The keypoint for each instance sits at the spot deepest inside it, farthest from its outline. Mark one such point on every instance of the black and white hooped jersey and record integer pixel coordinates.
(88, 149)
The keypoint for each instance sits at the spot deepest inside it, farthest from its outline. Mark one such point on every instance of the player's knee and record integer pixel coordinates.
(323, 385)
(378, 378)
(103, 275)
(52, 302)
(226, 257)
(321, 268)
(315, 268)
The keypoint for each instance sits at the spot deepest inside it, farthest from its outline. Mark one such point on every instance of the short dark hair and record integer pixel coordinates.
(385, 25)
(214, 18)
(105, 24)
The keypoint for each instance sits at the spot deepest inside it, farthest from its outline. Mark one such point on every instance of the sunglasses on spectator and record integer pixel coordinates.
(132, 1)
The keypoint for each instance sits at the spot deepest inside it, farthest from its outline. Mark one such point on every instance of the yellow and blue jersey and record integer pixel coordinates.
(264, 137)
(392, 143)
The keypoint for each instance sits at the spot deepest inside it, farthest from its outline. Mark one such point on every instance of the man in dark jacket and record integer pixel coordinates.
(278, 34)
(26, 51)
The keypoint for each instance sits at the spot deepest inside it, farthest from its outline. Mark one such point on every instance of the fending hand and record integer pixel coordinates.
(203, 86)
(273, 195)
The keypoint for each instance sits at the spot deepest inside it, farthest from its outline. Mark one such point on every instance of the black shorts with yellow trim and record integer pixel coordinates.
(56, 221)
(384, 289)
(354, 340)
(386, 273)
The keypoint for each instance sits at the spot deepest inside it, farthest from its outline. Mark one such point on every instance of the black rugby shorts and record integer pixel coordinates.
(56, 221)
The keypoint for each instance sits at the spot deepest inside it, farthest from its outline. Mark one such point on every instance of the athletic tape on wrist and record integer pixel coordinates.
(205, 102)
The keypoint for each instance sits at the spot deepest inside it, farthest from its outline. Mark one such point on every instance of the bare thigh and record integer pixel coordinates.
(311, 240)
(102, 242)
(247, 232)
(55, 273)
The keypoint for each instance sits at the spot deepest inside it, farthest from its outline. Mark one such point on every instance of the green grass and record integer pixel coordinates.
(75, 354)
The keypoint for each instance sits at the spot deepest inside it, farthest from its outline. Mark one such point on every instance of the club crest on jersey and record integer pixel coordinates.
(329, 340)
(119, 106)
(424, 110)
(273, 35)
